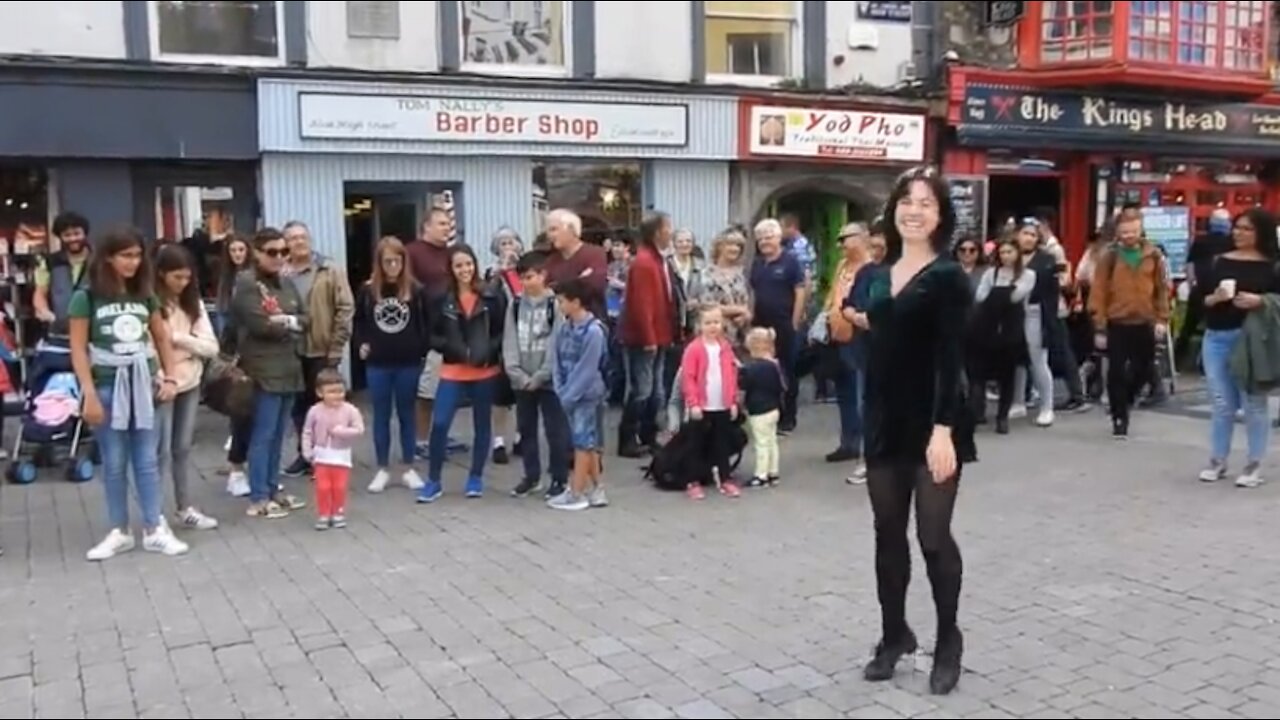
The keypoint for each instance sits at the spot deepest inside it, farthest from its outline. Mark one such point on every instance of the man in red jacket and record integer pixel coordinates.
(647, 327)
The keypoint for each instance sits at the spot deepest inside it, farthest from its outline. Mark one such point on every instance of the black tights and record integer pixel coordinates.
(715, 437)
(891, 488)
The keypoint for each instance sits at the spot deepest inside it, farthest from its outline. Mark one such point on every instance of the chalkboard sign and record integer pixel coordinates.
(1003, 14)
(969, 197)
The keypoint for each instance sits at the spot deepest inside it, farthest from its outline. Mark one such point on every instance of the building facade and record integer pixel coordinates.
(166, 152)
(362, 160)
(1086, 107)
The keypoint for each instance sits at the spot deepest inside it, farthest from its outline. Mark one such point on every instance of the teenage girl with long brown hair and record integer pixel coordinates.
(391, 335)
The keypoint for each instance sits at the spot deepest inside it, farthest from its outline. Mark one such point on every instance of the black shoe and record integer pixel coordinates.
(1120, 429)
(556, 489)
(946, 662)
(843, 454)
(518, 448)
(297, 468)
(527, 487)
(885, 662)
(1002, 426)
(787, 426)
(631, 449)
(500, 455)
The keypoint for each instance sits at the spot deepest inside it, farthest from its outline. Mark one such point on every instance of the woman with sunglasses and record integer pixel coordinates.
(270, 317)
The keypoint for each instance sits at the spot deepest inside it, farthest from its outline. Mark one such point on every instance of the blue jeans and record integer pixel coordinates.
(270, 418)
(529, 404)
(121, 449)
(849, 397)
(646, 393)
(449, 396)
(1228, 397)
(393, 387)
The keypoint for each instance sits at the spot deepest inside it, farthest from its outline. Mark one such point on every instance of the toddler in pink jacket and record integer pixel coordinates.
(327, 434)
(709, 382)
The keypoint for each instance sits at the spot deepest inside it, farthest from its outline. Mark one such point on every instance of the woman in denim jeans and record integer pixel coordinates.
(466, 329)
(269, 318)
(117, 335)
(1238, 279)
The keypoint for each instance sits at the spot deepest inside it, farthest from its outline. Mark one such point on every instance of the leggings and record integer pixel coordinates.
(764, 436)
(1038, 351)
(331, 490)
(892, 486)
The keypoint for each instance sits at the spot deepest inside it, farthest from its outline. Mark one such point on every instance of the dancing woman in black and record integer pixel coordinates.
(917, 432)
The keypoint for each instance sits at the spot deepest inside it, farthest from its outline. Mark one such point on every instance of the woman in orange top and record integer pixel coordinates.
(854, 240)
(466, 329)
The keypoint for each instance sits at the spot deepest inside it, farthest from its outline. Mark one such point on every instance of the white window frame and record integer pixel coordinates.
(153, 31)
(512, 69)
(797, 51)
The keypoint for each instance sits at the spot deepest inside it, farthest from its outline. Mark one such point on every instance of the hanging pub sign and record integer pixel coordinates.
(1003, 14)
(1082, 118)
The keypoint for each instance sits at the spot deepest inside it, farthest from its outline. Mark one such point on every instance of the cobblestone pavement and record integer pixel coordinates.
(1102, 580)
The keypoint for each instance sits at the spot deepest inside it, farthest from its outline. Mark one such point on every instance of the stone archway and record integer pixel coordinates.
(754, 188)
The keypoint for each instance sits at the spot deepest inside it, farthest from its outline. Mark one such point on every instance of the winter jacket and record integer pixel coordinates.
(473, 340)
(269, 351)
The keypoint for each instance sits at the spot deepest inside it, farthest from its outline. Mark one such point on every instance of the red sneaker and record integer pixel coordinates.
(731, 490)
(695, 491)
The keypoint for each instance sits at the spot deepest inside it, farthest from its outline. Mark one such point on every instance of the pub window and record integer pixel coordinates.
(1075, 31)
(1216, 34)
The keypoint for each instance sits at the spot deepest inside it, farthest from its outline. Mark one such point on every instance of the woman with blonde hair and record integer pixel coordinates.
(724, 283)
(391, 335)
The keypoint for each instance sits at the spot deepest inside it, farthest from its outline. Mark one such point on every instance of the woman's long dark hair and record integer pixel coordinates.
(941, 239)
(103, 280)
(228, 271)
(172, 258)
(1264, 229)
(1018, 262)
(475, 276)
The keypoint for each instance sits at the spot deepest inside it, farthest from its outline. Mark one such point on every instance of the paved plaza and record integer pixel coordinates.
(1101, 580)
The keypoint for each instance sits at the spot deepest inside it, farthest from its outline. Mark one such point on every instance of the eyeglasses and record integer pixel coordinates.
(392, 260)
(274, 252)
(969, 250)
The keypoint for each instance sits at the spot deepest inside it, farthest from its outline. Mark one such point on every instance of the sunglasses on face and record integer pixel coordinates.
(274, 252)
(969, 250)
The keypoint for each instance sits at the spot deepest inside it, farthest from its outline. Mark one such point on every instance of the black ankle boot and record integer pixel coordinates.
(946, 662)
(888, 653)
(1002, 426)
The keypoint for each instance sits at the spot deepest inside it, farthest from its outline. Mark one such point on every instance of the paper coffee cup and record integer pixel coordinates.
(1228, 287)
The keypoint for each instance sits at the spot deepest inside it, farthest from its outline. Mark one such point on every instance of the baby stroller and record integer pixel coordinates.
(39, 443)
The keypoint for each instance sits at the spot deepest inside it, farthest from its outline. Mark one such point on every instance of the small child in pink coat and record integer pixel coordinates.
(330, 427)
(709, 382)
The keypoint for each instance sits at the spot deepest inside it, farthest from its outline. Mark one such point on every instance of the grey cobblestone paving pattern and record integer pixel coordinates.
(1102, 580)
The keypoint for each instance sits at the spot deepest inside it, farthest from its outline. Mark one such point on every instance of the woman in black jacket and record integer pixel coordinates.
(466, 329)
(391, 336)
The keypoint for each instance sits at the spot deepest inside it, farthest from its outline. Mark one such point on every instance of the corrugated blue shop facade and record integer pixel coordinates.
(303, 176)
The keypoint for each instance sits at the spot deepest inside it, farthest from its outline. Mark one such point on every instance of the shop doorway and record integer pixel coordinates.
(821, 215)
(373, 212)
(1020, 196)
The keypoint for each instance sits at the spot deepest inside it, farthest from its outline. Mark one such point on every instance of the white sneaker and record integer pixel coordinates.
(411, 480)
(596, 498)
(226, 446)
(380, 480)
(193, 518)
(162, 540)
(1251, 477)
(1045, 419)
(1017, 412)
(237, 484)
(115, 543)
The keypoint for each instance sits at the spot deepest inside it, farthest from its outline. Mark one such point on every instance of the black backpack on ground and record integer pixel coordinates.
(682, 460)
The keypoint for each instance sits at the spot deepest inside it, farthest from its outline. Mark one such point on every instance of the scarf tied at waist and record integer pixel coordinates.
(132, 399)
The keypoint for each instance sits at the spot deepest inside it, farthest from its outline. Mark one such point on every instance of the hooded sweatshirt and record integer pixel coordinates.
(526, 341)
(396, 331)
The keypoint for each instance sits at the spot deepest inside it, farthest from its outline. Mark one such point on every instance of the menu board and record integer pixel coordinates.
(969, 198)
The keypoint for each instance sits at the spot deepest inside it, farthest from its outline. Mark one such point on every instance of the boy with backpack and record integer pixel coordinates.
(532, 319)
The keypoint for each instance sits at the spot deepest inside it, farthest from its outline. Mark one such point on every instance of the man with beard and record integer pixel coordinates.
(59, 274)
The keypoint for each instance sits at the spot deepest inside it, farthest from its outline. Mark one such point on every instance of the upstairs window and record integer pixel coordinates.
(752, 41)
(521, 37)
(1217, 35)
(1077, 31)
(235, 32)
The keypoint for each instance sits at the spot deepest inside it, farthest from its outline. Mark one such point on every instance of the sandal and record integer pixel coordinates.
(289, 502)
(270, 510)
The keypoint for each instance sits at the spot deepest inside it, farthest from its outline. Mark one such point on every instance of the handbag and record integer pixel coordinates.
(227, 389)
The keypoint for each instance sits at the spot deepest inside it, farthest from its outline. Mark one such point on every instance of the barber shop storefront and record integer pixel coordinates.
(1085, 154)
(173, 152)
(359, 161)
